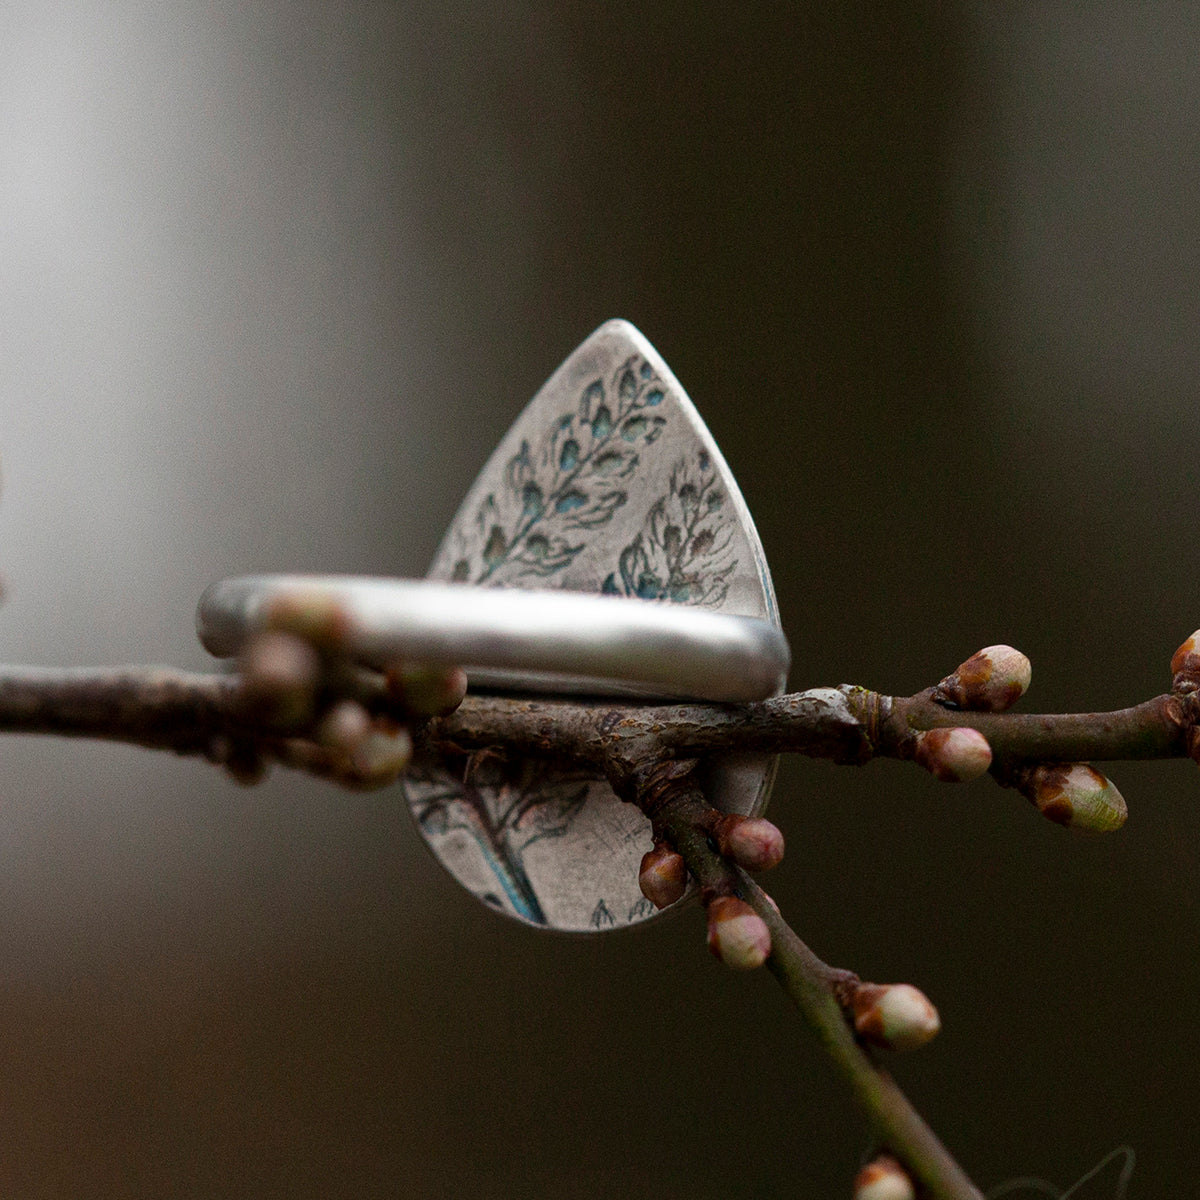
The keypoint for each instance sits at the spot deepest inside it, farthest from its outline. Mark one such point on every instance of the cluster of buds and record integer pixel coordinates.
(992, 680)
(297, 682)
(737, 935)
(365, 752)
(1071, 794)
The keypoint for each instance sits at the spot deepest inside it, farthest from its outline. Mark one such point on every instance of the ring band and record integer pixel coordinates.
(543, 641)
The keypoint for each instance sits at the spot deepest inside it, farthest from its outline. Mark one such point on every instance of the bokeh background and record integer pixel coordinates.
(274, 278)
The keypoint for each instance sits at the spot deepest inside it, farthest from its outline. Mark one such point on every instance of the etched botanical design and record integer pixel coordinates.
(571, 481)
(504, 807)
(683, 551)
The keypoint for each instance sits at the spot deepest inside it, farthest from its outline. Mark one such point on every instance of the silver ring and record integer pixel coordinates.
(542, 641)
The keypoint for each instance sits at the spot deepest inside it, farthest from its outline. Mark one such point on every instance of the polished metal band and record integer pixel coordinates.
(544, 641)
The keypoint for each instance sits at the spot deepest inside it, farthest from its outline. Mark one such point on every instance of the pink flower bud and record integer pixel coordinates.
(344, 726)
(279, 678)
(883, 1179)
(754, 843)
(953, 755)
(737, 935)
(1075, 795)
(381, 757)
(663, 877)
(992, 680)
(894, 1016)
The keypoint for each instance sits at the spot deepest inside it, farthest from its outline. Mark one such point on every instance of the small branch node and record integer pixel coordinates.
(651, 783)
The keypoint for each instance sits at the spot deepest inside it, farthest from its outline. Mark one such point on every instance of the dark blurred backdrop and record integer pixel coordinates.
(274, 278)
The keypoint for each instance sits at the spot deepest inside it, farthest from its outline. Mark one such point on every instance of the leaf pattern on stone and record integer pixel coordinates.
(570, 482)
(683, 553)
(505, 808)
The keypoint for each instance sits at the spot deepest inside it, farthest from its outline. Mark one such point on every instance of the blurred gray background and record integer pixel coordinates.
(274, 278)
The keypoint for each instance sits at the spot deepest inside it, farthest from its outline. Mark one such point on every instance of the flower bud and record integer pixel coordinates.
(737, 935)
(1185, 665)
(279, 678)
(992, 680)
(381, 757)
(427, 691)
(317, 618)
(953, 755)
(1075, 795)
(754, 843)
(883, 1179)
(344, 726)
(663, 877)
(893, 1016)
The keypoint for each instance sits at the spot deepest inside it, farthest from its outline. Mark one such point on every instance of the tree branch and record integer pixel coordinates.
(188, 712)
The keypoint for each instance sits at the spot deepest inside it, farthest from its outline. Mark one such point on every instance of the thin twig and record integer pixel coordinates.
(811, 985)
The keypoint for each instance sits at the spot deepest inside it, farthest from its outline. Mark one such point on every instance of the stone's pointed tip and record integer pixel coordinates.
(894, 1016)
(754, 843)
(737, 935)
(1075, 795)
(991, 680)
(953, 755)
(883, 1179)
(618, 326)
(1185, 665)
(663, 876)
